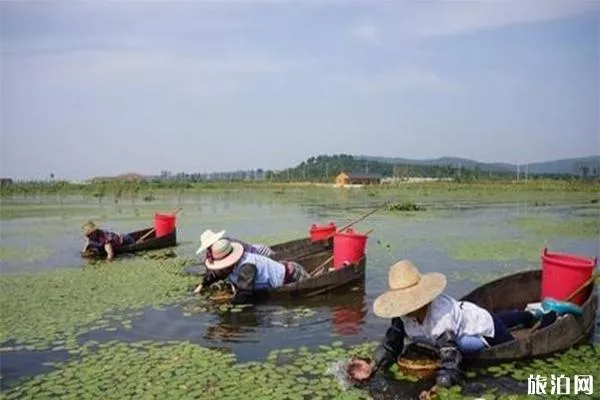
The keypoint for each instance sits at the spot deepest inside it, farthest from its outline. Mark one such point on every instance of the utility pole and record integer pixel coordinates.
(518, 171)
(304, 171)
(526, 172)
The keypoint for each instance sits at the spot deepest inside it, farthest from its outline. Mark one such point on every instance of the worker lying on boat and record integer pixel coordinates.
(208, 238)
(419, 311)
(247, 271)
(100, 240)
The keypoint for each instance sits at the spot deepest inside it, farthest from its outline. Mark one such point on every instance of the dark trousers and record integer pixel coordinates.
(505, 320)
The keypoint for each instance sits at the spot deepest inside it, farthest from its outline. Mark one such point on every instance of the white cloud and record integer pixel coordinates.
(439, 18)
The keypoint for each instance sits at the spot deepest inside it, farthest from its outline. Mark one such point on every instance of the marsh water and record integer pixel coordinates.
(471, 243)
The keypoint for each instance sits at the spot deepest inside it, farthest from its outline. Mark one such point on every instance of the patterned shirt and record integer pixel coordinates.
(103, 238)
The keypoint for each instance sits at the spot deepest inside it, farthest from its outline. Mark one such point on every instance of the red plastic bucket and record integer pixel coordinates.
(322, 232)
(164, 224)
(348, 247)
(562, 274)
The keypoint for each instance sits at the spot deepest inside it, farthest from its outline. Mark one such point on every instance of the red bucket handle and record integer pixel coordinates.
(595, 259)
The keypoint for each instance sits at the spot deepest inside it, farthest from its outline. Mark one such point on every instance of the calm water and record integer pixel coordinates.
(346, 315)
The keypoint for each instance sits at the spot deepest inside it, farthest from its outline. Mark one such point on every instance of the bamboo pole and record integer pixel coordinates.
(594, 276)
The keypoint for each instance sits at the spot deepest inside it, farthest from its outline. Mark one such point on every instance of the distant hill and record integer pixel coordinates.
(567, 166)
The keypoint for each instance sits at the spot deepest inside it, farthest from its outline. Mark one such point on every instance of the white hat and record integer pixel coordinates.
(409, 290)
(225, 254)
(207, 239)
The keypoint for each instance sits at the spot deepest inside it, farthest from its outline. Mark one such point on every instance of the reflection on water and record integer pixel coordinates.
(250, 333)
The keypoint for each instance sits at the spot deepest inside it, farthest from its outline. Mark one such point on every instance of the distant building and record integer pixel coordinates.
(357, 179)
(6, 181)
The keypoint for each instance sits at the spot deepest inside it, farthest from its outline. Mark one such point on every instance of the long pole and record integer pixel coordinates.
(348, 225)
(595, 276)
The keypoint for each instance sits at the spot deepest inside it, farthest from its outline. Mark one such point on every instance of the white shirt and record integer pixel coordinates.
(447, 314)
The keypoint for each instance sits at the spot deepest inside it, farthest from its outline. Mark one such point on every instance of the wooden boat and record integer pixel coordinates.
(312, 255)
(150, 243)
(515, 292)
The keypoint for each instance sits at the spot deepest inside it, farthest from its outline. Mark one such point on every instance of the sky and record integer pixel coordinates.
(102, 88)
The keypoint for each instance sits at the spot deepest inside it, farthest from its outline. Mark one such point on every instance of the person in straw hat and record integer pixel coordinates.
(100, 240)
(418, 310)
(208, 238)
(247, 271)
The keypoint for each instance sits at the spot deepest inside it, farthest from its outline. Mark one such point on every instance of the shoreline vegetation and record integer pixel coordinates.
(17, 199)
(142, 188)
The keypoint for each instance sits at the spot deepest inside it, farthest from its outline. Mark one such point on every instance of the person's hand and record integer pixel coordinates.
(360, 370)
(198, 289)
(428, 394)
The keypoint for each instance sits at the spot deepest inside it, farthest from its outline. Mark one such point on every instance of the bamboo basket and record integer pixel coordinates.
(421, 368)
(223, 296)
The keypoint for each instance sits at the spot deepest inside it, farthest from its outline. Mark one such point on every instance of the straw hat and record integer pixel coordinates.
(409, 290)
(225, 254)
(89, 227)
(207, 239)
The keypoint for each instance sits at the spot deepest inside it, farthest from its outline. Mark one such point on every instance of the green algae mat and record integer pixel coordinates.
(43, 309)
(182, 370)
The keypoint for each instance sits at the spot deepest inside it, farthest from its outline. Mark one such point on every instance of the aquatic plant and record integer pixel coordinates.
(405, 206)
(582, 361)
(173, 369)
(185, 370)
(545, 226)
(495, 249)
(41, 308)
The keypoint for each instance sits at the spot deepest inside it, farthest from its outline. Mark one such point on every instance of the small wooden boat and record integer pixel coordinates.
(150, 243)
(311, 255)
(515, 292)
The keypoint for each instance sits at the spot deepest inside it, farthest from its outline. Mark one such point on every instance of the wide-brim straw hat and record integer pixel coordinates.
(408, 291)
(207, 239)
(89, 227)
(225, 254)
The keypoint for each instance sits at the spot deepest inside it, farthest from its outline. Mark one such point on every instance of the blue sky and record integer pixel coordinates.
(91, 88)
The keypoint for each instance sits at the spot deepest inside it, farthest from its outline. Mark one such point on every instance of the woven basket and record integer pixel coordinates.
(221, 297)
(421, 368)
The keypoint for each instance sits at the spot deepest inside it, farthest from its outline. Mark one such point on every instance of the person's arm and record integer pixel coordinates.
(110, 254)
(391, 347)
(87, 243)
(208, 279)
(450, 359)
(385, 354)
(245, 284)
